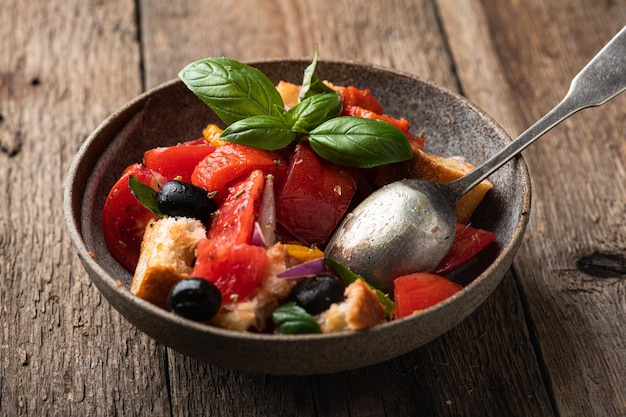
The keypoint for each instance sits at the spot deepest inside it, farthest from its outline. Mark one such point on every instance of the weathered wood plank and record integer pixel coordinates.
(69, 64)
(65, 65)
(399, 34)
(578, 176)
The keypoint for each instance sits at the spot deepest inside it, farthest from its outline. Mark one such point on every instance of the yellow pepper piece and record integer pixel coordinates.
(303, 253)
(212, 135)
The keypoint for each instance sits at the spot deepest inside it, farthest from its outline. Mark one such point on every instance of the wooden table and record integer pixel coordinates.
(550, 341)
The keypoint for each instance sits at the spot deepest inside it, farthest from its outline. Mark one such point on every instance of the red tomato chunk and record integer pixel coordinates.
(124, 219)
(231, 162)
(314, 197)
(235, 269)
(179, 160)
(234, 222)
(352, 96)
(416, 292)
(226, 256)
(468, 242)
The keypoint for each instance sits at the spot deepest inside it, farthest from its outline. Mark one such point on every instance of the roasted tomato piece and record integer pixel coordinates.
(226, 256)
(314, 197)
(358, 111)
(468, 242)
(234, 223)
(124, 219)
(416, 292)
(179, 160)
(235, 269)
(352, 96)
(231, 162)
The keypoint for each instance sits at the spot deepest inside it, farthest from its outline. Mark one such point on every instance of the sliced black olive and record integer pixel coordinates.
(179, 198)
(316, 294)
(195, 298)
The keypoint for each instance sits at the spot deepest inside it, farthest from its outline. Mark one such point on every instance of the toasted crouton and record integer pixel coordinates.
(167, 254)
(360, 310)
(436, 168)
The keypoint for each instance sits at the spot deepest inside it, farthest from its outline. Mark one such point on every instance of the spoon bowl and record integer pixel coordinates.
(390, 227)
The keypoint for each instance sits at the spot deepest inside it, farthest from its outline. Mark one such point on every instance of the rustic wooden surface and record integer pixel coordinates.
(550, 341)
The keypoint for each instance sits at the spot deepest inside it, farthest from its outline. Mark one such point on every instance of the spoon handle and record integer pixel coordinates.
(601, 79)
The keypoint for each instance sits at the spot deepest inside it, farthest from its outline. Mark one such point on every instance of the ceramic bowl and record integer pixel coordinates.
(170, 113)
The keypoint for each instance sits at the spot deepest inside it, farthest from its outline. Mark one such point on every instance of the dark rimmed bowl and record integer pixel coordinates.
(170, 113)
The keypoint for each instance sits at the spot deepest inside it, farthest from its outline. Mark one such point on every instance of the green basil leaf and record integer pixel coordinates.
(318, 87)
(263, 132)
(348, 277)
(362, 143)
(292, 319)
(145, 195)
(315, 110)
(312, 85)
(233, 90)
(308, 78)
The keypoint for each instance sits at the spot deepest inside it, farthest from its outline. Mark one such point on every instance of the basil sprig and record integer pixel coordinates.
(251, 107)
(293, 319)
(310, 83)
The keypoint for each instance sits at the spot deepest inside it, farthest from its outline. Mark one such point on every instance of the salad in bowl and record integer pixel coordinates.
(201, 210)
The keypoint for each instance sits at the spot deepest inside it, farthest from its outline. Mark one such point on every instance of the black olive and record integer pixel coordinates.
(179, 198)
(195, 298)
(316, 294)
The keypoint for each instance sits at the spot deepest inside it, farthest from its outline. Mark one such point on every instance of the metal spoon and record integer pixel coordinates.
(408, 226)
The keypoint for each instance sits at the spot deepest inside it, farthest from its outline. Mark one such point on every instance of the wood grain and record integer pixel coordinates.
(286, 28)
(549, 341)
(63, 350)
(579, 198)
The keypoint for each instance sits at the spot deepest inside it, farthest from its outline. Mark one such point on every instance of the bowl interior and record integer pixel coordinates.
(170, 114)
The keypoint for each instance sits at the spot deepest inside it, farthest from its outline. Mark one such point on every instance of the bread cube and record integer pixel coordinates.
(166, 257)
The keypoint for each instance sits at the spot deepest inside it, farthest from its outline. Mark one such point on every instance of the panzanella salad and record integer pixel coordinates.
(229, 228)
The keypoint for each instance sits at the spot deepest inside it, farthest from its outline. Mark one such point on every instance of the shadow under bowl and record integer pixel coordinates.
(170, 113)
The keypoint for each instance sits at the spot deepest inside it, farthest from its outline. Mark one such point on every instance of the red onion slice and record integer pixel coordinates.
(267, 213)
(257, 236)
(305, 269)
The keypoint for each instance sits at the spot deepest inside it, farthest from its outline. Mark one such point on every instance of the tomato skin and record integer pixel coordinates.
(314, 197)
(234, 222)
(124, 219)
(421, 290)
(468, 242)
(179, 160)
(361, 103)
(232, 161)
(358, 111)
(235, 269)
(352, 96)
